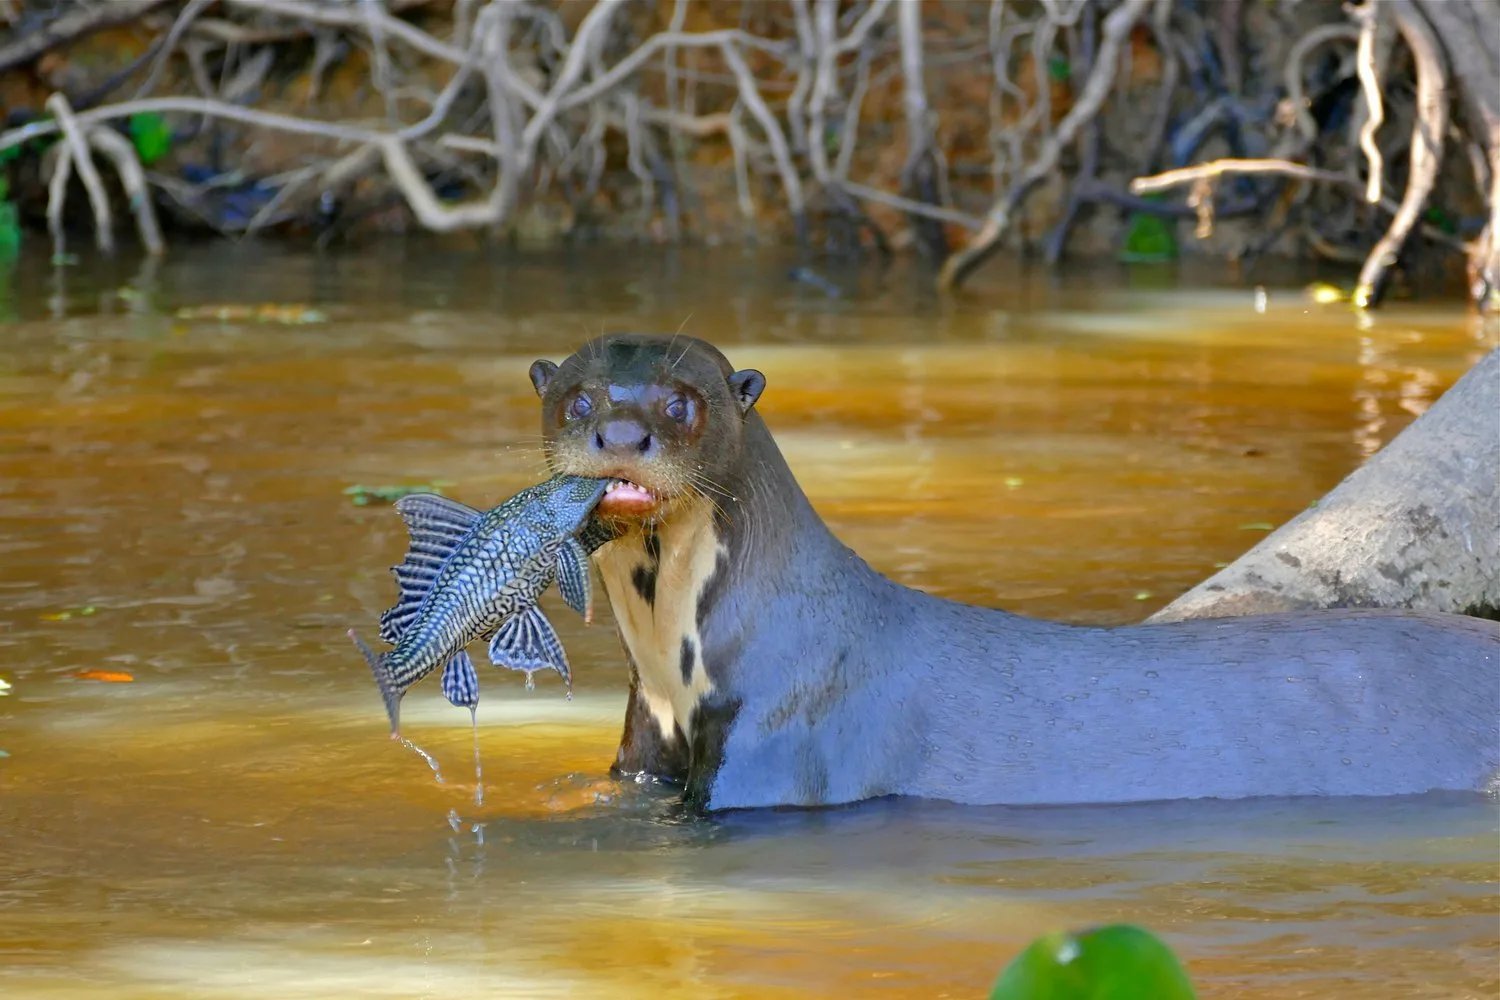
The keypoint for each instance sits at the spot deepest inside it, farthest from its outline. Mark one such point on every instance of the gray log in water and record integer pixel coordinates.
(1417, 526)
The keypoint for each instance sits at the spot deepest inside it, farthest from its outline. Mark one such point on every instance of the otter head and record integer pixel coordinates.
(663, 418)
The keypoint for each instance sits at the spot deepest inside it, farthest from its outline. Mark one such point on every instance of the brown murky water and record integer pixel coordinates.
(233, 823)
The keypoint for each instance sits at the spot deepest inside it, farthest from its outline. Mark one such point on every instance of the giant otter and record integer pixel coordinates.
(769, 665)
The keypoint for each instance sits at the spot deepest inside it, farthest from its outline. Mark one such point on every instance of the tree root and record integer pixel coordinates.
(1116, 27)
(527, 111)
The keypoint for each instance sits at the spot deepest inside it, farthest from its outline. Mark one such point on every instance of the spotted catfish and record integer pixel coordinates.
(468, 575)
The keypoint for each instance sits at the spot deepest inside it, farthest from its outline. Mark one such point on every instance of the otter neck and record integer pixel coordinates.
(684, 590)
(655, 576)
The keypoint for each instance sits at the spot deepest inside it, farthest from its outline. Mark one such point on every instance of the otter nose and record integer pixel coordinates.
(624, 437)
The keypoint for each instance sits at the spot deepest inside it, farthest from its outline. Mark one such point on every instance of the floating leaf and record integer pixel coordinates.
(4, 686)
(1119, 962)
(1014, 482)
(287, 314)
(152, 136)
(1143, 595)
(108, 676)
(365, 495)
(66, 613)
(1257, 526)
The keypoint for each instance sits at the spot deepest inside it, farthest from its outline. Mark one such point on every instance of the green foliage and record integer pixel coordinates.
(1118, 962)
(1149, 240)
(1059, 69)
(10, 225)
(152, 136)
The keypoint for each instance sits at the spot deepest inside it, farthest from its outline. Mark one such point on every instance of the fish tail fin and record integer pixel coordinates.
(389, 692)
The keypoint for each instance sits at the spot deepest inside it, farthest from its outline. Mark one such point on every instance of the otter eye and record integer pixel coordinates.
(579, 407)
(677, 409)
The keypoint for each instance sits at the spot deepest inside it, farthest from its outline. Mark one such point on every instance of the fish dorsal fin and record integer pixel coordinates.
(573, 578)
(460, 682)
(436, 525)
(435, 519)
(527, 642)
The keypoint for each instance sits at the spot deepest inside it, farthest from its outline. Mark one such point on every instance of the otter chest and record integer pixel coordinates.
(654, 578)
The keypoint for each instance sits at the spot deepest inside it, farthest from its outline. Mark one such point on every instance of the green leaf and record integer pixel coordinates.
(1257, 526)
(1119, 962)
(1059, 69)
(10, 233)
(1149, 240)
(152, 136)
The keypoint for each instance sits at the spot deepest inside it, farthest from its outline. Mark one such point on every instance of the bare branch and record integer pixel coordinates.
(1368, 16)
(1428, 132)
(57, 193)
(911, 207)
(78, 148)
(1188, 175)
(122, 153)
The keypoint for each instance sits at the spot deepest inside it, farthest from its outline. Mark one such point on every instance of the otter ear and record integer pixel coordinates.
(747, 385)
(541, 375)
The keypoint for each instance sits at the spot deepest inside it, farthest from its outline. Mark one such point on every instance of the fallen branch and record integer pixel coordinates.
(1414, 527)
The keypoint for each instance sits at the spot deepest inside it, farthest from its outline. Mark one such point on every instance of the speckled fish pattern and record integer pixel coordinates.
(466, 574)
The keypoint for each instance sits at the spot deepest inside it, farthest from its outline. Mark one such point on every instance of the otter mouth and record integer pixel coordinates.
(623, 498)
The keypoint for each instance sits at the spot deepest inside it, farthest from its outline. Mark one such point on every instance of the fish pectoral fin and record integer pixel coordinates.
(573, 578)
(436, 526)
(527, 642)
(460, 682)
